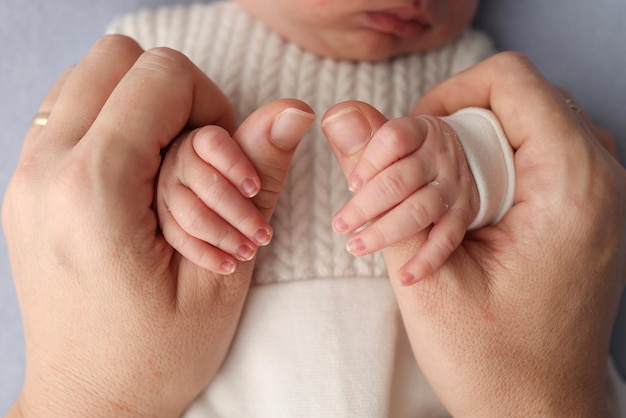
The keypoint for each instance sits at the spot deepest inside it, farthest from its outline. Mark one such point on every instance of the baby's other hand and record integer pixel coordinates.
(409, 175)
(204, 201)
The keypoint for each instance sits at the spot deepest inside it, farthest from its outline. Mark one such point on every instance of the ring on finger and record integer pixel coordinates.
(40, 119)
(573, 105)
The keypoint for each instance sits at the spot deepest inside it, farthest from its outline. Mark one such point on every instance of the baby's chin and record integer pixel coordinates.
(366, 47)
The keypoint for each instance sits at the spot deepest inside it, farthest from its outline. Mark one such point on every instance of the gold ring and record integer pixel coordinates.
(573, 105)
(41, 119)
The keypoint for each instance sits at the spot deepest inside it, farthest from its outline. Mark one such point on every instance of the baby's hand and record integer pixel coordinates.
(411, 176)
(204, 201)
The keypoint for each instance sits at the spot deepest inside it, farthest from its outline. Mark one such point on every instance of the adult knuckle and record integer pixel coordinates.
(512, 57)
(115, 44)
(165, 60)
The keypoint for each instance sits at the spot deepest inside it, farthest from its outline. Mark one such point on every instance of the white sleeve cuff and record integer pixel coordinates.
(490, 159)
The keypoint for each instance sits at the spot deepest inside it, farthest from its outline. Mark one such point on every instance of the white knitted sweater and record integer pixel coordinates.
(253, 65)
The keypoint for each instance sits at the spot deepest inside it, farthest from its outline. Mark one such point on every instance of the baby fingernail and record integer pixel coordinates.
(250, 187)
(355, 183)
(340, 226)
(289, 126)
(245, 253)
(357, 247)
(348, 129)
(227, 267)
(262, 237)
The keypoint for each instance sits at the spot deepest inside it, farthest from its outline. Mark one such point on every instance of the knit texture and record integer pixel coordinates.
(253, 66)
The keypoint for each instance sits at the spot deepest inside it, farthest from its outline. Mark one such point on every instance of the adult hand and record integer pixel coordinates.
(116, 322)
(518, 321)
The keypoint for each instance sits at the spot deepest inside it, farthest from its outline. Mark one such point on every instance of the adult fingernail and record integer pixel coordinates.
(289, 126)
(348, 129)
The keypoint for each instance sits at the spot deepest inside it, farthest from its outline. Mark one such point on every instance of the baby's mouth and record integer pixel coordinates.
(402, 22)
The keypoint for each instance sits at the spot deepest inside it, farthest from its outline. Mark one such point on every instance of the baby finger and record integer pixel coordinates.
(202, 223)
(413, 215)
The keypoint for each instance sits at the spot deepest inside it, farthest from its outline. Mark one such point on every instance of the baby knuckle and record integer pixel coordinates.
(419, 214)
(395, 137)
(393, 186)
(447, 243)
(192, 219)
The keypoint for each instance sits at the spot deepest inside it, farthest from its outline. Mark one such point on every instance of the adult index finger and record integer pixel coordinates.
(162, 94)
(511, 86)
(554, 153)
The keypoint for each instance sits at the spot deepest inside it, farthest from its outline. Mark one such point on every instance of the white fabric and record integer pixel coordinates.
(490, 158)
(320, 335)
(320, 348)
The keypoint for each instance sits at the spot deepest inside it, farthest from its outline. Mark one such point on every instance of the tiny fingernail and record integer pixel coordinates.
(355, 183)
(245, 253)
(348, 129)
(251, 186)
(227, 267)
(407, 279)
(357, 247)
(263, 237)
(289, 126)
(340, 226)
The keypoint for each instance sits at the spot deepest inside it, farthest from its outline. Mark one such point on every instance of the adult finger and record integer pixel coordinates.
(349, 126)
(45, 109)
(606, 139)
(88, 88)
(160, 95)
(269, 138)
(501, 83)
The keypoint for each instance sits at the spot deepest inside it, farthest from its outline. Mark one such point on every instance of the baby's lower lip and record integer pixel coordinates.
(394, 25)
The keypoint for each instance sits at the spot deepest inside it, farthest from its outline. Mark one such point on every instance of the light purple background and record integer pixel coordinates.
(578, 44)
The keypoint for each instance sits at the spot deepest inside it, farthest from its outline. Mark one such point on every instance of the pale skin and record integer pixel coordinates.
(410, 177)
(487, 287)
(117, 322)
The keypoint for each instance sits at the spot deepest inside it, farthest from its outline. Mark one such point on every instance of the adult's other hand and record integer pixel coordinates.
(518, 320)
(116, 322)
